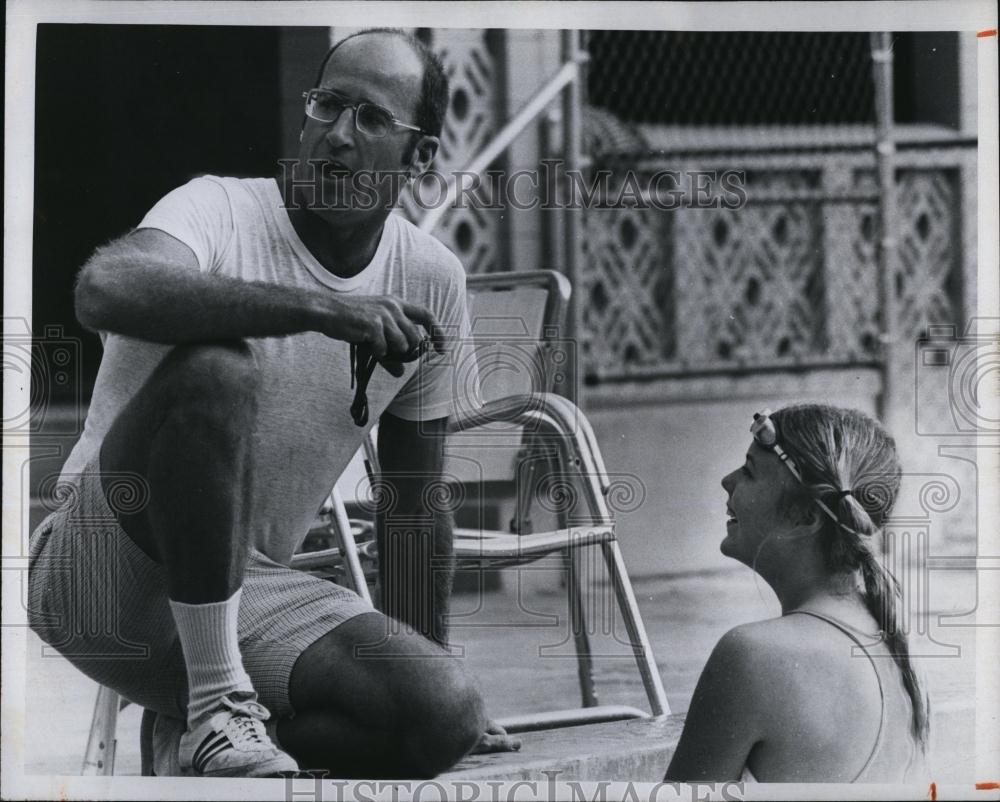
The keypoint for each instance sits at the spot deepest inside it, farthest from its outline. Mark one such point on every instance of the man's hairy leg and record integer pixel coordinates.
(374, 701)
(416, 571)
(416, 563)
(188, 432)
(414, 529)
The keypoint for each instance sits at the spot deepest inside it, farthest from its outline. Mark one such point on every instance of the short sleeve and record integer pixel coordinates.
(199, 215)
(444, 384)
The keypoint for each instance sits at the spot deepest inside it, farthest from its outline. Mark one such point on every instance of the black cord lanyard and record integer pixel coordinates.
(363, 364)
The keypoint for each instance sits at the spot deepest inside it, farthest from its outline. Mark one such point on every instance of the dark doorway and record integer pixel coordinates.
(124, 114)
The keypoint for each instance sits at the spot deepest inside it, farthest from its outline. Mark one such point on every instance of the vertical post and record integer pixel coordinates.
(885, 161)
(572, 227)
(551, 144)
(99, 758)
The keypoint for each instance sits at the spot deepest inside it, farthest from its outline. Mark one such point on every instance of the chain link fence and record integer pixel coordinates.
(787, 276)
(731, 78)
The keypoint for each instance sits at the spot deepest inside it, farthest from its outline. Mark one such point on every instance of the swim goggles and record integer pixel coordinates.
(765, 433)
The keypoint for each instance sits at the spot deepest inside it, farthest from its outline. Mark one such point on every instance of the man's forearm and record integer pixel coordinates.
(167, 304)
(416, 569)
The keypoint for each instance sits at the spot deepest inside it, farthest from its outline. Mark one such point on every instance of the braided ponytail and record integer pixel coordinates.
(881, 593)
(850, 466)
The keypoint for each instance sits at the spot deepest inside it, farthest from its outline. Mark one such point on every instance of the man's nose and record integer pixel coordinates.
(727, 482)
(341, 131)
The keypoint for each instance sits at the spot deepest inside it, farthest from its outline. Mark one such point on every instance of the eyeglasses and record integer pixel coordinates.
(765, 434)
(370, 119)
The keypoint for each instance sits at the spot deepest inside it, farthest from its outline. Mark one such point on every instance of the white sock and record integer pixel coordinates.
(210, 641)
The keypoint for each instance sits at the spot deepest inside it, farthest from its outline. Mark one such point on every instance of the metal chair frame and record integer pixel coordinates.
(555, 419)
(548, 420)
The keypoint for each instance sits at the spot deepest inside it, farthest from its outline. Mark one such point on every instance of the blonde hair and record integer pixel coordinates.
(849, 463)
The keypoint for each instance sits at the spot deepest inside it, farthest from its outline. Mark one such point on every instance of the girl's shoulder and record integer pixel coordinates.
(755, 654)
(791, 644)
(760, 638)
(793, 671)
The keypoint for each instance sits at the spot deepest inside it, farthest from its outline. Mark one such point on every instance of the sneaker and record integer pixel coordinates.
(231, 742)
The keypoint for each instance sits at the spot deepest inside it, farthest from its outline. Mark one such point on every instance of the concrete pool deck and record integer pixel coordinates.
(516, 640)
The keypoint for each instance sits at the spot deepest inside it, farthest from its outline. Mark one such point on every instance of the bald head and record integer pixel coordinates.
(400, 58)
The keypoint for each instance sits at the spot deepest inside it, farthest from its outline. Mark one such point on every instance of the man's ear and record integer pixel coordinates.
(424, 151)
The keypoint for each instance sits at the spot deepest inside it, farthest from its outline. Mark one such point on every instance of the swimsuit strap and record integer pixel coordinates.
(881, 692)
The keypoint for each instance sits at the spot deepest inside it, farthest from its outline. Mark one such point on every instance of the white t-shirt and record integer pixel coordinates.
(304, 436)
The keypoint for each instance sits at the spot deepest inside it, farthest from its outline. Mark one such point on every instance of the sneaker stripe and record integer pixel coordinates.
(232, 744)
(210, 741)
(210, 747)
(209, 755)
(198, 762)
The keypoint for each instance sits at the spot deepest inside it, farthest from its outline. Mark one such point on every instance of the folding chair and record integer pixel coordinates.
(521, 434)
(522, 430)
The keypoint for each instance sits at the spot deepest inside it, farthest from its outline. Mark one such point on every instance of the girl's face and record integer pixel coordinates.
(755, 505)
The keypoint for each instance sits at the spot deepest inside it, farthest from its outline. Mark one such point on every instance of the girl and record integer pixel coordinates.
(826, 692)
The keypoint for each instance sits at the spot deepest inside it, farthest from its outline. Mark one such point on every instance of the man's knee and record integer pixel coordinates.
(426, 704)
(445, 723)
(205, 393)
(228, 368)
(217, 381)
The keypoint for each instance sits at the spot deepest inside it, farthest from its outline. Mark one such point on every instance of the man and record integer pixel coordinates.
(223, 406)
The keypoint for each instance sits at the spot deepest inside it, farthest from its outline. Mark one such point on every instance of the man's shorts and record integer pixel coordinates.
(101, 602)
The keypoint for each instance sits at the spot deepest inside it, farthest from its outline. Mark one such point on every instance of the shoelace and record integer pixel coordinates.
(249, 725)
(248, 729)
(363, 363)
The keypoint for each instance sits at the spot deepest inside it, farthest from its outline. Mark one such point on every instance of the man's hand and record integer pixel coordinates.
(389, 326)
(149, 285)
(495, 739)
